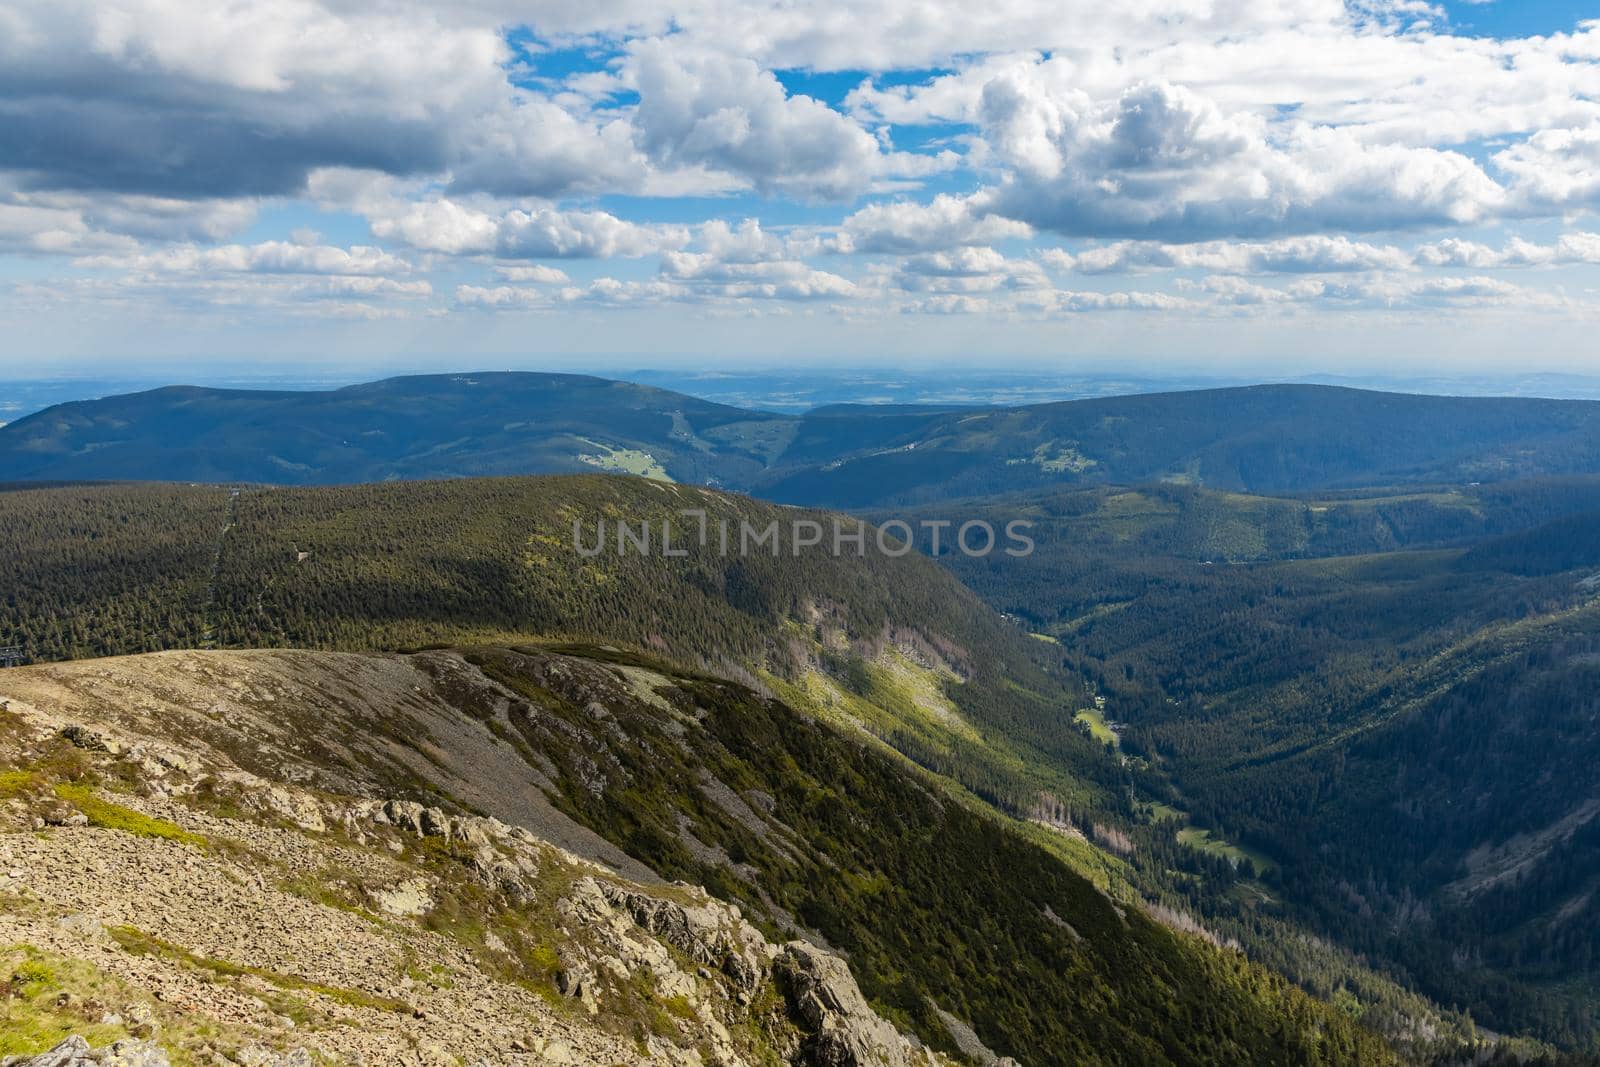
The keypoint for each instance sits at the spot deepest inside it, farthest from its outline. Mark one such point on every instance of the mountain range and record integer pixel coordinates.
(1268, 439)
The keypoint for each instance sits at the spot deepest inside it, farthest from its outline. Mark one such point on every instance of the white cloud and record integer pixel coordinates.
(1384, 291)
(1163, 161)
(1310, 254)
(536, 274)
(785, 279)
(907, 226)
(1187, 142)
(968, 270)
(745, 243)
(268, 257)
(1555, 170)
(447, 226)
(1569, 248)
(710, 109)
(502, 296)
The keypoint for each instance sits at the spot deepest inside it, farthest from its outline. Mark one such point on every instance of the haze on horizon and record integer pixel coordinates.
(1175, 186)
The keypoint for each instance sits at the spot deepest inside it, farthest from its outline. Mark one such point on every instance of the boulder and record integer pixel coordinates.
(75, 1052)
(91, 740)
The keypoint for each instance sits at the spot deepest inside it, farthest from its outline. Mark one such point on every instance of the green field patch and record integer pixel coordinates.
(1203, 841)
(624, 461)
(1099, 729)
(1156, 811)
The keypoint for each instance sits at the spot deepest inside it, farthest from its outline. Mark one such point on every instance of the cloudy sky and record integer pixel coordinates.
(1224, 184)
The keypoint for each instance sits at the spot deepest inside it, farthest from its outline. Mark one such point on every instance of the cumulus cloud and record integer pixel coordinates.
(1313, 254)
(170, 99)
(1555, 170)
(1386, 291)
(1163, 161)
(445, 225)
(268, 257)
(968, 270)
(907, 226)
(536, 274)
(1569, 248)
(502, 296)
(1186, 143)
(782, 279)
(700, 108)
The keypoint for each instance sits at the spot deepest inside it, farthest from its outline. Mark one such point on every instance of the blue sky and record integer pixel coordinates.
(1165, 185)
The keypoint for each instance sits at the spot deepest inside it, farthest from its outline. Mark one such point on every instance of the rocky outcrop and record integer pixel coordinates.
(90, 739)
(841, 1028)
(75, 1052)
(710, 933)
(831, 1022)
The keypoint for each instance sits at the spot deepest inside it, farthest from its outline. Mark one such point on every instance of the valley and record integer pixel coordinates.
(1387, 694)
(296, 763)
(757, 533)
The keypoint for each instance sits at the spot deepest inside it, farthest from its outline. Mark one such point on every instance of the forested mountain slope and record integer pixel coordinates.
(1389, 697)
(894, 642)
(1280, 438)
(1270, 439)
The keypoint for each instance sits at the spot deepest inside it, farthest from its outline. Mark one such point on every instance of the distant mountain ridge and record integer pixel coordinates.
(1264, 439)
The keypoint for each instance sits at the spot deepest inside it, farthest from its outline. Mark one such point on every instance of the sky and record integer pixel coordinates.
(1197, 186)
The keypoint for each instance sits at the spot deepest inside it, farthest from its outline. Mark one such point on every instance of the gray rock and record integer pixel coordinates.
(133, 1054)
(409, 815)
(70, 1053)
(75, 1052)
(710, 933)
(843, 1030)
(434, 823)
(91, 740)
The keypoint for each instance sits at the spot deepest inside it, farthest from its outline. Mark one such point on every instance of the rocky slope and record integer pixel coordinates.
(162, 903)
(491, 855)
